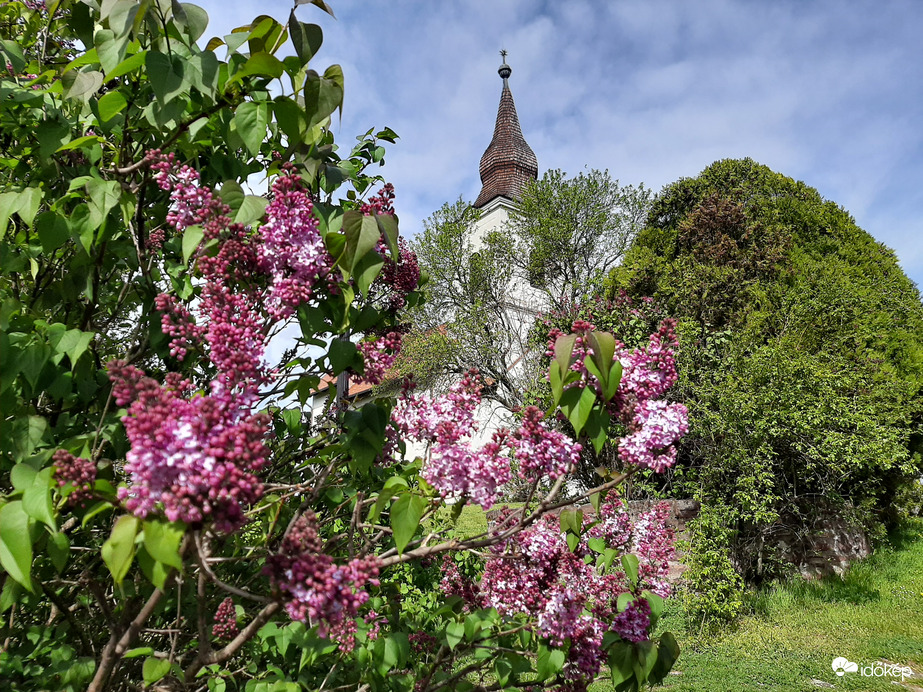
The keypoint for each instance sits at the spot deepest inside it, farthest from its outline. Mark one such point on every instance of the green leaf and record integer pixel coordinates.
(36, 501)
(307, 38)
(577, 404)
(73, 343)
(667, 654)
(564, 349)
(630, 565)
(548, 662)
(597, 545)
(81, 143)
(81, 85)
(395, 653)
(621, 662)
(317, 3)
(154, 669)
(405, 518)
(454, 633)
(22, 476)
(251, 120)
(119, 549)
(362, 236)
(156, 572)
(103, 196)
(129, 64)
(111, 104)
(612, 383)
(16, 543)
(656, 603)
(195, 19)
(59, 550)
(260, 65)
(109, 49)
(166, 75)
(162, 540)
(251, 209)
(232, 194)
(52, 229)
(13, 54)
(343, 355)
(290, 116)
(192, 236)
(140, 651)
(323, 95)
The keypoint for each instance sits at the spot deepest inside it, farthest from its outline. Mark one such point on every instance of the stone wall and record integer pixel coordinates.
(828, 546)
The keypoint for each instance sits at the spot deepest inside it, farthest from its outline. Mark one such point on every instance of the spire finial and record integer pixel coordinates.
(505, 70)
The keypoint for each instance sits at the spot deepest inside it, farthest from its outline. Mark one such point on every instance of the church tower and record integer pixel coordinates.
(507, 165)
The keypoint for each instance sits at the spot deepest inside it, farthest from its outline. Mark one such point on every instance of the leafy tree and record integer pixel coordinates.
(568, 233)
(167, 520)
(801, 356)
(560, 241)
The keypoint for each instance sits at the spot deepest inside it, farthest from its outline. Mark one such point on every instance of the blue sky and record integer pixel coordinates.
(825, 91)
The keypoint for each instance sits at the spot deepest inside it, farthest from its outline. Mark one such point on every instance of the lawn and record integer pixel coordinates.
(795, 630)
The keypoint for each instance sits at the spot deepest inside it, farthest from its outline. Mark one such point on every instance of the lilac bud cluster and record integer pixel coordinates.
(225, 626)
(316, 590)
(77, 472)
(397, 278)
(382, 203)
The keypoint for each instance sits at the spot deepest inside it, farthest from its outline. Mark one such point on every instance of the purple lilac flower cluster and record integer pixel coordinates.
(193, 459)
(536, 574)
(653, 425)
(77, 472)
(382, 203)
(459, 470)
(292, 250)
(379, 354)
(316, 590)
(225, 626)
(541, 451)
(397, 278)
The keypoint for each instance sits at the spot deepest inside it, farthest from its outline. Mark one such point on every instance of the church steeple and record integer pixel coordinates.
(509, 163)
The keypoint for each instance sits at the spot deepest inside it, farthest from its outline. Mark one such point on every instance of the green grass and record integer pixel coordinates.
(873, 613)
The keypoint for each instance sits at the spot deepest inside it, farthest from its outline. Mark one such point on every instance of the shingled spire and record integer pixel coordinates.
(509, 163)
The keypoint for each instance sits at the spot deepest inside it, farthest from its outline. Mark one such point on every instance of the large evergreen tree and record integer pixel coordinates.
(801, 347)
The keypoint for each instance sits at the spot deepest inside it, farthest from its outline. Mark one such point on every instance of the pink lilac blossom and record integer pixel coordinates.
(179, 324)
(379, 354)
(225, 626)
(315, 590)
(454, 467)
(292, 250)
(654, 544)
(535, 573)
(191, 459)
(634, 622)
(541, 451)
(382, 203)
(654, 428)
(77, 472)
(397, 278)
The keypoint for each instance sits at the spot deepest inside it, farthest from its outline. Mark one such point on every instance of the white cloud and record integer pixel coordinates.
(651, 89)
